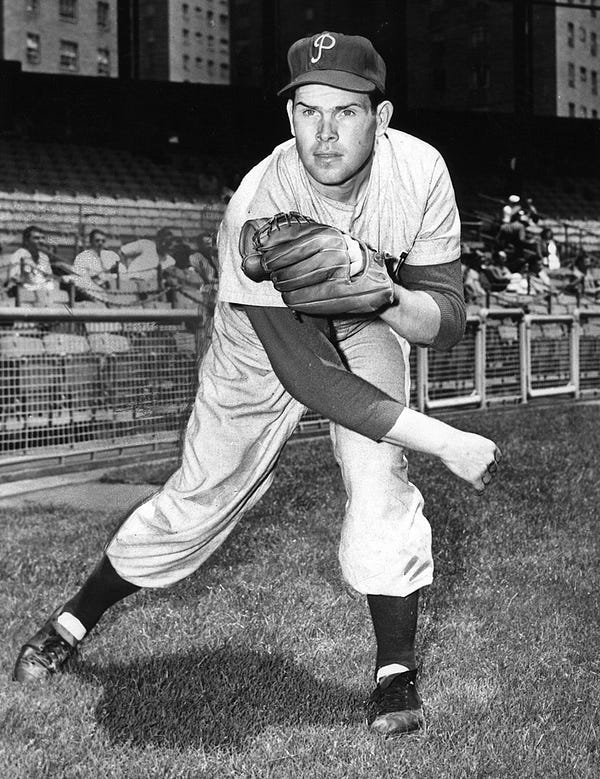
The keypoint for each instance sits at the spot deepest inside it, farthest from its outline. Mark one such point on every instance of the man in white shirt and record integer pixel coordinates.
(97, 264)
(30, 268)
(146, 259)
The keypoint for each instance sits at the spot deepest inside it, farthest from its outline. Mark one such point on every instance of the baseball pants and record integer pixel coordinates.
(240, 422)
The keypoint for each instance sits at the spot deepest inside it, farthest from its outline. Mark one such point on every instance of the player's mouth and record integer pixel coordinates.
(327, 156)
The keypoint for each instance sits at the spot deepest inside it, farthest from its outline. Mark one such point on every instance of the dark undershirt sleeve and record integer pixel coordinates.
(444, 284)
(309, 367)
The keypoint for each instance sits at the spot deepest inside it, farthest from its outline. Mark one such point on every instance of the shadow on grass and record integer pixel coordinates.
(214, 701)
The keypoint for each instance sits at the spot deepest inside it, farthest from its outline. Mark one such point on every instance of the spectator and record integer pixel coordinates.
(496, 273)
(30, 269)
(205, 256)
(182, 280)
(95, 267)
(549, 250)
(471, 262)
(513, 239)
(531, 210)
(146, 259)
(205, 261)
(510, 208)
(583, 282)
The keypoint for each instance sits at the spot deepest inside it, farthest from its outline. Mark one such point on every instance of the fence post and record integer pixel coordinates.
(422, 371)
(524, 358)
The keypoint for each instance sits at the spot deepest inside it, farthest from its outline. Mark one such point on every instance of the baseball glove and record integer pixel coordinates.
(317, 268)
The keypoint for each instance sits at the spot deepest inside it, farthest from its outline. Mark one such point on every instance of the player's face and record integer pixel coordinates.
(335, 131)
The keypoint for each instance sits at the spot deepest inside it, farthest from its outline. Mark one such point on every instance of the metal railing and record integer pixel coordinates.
(85, 386)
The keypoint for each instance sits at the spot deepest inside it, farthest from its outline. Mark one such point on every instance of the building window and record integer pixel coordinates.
(32, 7)
(103, 16)
(67, 10)
(582, 34)
(33, 53)
(571, 76)
(186, 62)
(571, 109)
(69, 56)
(571, 35)
(583, 75)
(185, 34)
(583, 112)
(478, 37)
(185, 10)
(594, 44)
(594, 113)
(594, 77)
(103, 62)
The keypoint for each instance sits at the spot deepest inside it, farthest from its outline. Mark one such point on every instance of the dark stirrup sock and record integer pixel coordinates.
(102, 589)
(395, 624)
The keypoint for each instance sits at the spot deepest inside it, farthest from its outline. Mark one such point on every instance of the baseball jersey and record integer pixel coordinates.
(407, 208)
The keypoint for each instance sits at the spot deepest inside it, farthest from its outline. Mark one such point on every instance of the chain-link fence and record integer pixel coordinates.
(75, 383)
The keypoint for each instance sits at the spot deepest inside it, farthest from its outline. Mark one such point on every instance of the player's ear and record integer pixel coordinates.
(290, 113)
(384, 116)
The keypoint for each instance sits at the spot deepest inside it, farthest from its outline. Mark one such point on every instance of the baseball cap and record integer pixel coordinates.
(332, 58)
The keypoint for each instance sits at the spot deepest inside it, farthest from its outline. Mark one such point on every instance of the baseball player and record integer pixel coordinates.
(336, 252)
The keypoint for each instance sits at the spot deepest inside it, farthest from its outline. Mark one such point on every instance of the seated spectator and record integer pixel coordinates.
(95, 268)
(146, 259)
(549, 250)
(531, 210)
(205, 256)
(182, 280)
(583, 281)
(496, 273)
(474, 290)
(30, 269)
(513, 239)
(510, 208)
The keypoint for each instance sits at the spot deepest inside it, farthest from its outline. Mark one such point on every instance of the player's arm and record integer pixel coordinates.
(310, 369)
(429, 305)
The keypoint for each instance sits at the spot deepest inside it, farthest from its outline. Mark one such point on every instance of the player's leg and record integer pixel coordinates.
(385, 545)
(241, 419)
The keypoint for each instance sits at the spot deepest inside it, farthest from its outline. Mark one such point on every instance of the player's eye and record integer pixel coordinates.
(308, 112)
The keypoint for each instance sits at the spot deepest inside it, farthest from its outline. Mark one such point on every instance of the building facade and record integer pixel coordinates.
(464, 55)
(184, 41)
(77, 37)
(578, 61)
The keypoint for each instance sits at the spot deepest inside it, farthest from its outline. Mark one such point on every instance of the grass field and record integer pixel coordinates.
(258, 666)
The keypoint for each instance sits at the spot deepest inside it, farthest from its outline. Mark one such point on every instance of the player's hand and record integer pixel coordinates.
(473, 458)
(317, 268)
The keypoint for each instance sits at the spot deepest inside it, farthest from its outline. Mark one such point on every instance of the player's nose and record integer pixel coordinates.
(326, 130)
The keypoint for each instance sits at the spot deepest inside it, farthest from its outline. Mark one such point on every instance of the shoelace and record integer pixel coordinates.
(394, 697)
(54, 652)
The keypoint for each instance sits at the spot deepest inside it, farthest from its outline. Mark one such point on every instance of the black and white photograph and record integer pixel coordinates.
(299, 389)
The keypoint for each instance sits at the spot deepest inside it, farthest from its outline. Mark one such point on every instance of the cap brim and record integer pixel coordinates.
(332, 78)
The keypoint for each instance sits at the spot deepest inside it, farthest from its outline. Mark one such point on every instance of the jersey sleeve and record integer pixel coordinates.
(438, 239)
(444, 283)
(309, 367)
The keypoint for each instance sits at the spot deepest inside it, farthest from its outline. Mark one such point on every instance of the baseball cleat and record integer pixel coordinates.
(395, 707)
(45, 653)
